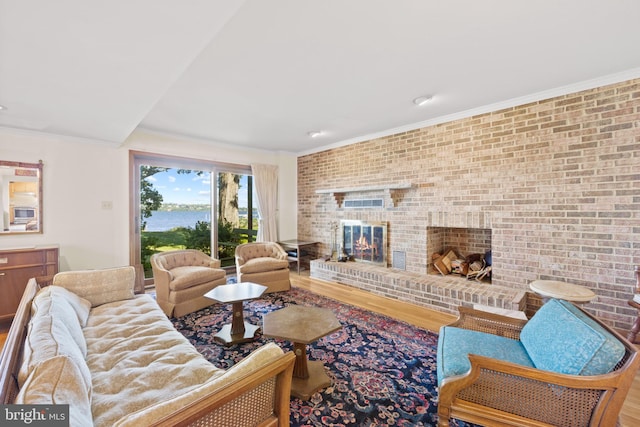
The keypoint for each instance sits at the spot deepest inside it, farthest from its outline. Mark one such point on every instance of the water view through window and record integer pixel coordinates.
(177, 207)
(167, 220)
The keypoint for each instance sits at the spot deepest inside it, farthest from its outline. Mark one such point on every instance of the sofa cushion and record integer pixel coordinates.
(99, 286)
(80, 306)
(137, 358)
(187, 276)
(455, 345)
(57, 381)
(561, 338)
(46, 303)
(48, 337)
(260, 265)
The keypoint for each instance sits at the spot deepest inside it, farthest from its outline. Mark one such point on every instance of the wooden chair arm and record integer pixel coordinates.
(476, 392)
(240, 397)
(492, 323)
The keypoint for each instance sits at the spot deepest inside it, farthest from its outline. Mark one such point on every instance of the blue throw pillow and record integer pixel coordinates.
(561, 338)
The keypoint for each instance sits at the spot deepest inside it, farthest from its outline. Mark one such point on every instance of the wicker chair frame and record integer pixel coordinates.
(499, 393)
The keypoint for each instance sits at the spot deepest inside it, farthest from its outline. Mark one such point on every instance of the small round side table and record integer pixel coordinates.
(561, 290)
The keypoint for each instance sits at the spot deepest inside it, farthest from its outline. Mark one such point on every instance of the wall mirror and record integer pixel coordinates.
(21, 197)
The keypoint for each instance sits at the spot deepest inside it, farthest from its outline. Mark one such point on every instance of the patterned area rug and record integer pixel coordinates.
(383, 370)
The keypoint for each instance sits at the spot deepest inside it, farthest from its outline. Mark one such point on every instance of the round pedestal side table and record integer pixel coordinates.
(562, 290)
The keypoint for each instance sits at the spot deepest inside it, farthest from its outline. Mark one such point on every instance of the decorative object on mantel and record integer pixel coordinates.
(392, 190)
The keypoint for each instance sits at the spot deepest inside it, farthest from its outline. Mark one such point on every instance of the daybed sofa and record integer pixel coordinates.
(562, 367)
(117, 360)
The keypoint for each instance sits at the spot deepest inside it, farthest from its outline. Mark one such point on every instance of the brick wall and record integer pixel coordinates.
(556, 181)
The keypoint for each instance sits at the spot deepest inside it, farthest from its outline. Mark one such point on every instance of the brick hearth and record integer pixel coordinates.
(433, 291)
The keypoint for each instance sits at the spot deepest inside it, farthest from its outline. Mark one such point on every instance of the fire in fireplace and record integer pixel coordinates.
(365, 241)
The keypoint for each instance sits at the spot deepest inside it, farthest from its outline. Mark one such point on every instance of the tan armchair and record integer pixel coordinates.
(265, 263)
(182, 278)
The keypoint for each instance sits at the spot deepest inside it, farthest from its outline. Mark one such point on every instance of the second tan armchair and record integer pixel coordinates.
(182, 278)
(265, 263)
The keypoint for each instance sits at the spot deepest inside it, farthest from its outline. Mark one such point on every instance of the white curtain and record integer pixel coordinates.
(265, 178)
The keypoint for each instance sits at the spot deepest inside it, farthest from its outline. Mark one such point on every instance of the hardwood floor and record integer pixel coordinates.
(415, 315)
(431, 320)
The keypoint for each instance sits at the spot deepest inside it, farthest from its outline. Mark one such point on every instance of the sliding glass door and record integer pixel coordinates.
(174, 201)
(237, 218)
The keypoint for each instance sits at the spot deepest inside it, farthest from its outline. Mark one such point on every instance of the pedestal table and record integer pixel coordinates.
(302, 325)
(238, 331)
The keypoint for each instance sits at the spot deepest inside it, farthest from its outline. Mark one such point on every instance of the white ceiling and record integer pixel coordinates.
(263, 73)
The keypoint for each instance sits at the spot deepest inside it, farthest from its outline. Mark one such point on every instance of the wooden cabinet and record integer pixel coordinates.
(17, 266)
(22, 187)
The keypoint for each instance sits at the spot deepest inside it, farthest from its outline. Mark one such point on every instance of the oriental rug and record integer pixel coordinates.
(383, 370)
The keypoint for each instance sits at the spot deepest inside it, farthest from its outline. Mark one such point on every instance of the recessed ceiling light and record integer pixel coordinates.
(2, 107)
(422, 100)
(314, 133)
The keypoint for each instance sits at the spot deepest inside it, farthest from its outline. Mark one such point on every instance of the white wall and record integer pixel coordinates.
(80, 175)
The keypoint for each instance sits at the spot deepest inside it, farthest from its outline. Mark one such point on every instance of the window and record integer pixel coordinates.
(175, 200)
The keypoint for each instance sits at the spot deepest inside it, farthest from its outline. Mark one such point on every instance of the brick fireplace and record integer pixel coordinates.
(555, 182)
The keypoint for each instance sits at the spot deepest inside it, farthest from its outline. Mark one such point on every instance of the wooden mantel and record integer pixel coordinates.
(392, 190)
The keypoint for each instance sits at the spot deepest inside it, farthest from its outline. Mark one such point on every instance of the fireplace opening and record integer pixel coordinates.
(364, 241)
(460, 251)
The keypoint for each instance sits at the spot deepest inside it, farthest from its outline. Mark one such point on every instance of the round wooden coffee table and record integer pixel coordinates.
(302, 325)
(238, 331)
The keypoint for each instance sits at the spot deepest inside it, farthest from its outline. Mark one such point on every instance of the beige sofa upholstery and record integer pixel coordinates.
(265, 263)
(182, 278)
(116, 359)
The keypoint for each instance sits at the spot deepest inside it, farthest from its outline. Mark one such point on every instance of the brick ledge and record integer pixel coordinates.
(436, 292)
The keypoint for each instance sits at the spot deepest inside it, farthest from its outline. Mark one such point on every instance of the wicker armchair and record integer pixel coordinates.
(265, 263)
(499, 393)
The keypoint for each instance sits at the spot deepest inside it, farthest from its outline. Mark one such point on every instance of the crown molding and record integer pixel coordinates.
(510, 103)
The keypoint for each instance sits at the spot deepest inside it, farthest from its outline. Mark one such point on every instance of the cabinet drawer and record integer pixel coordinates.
(12, 284)
(15, 259)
